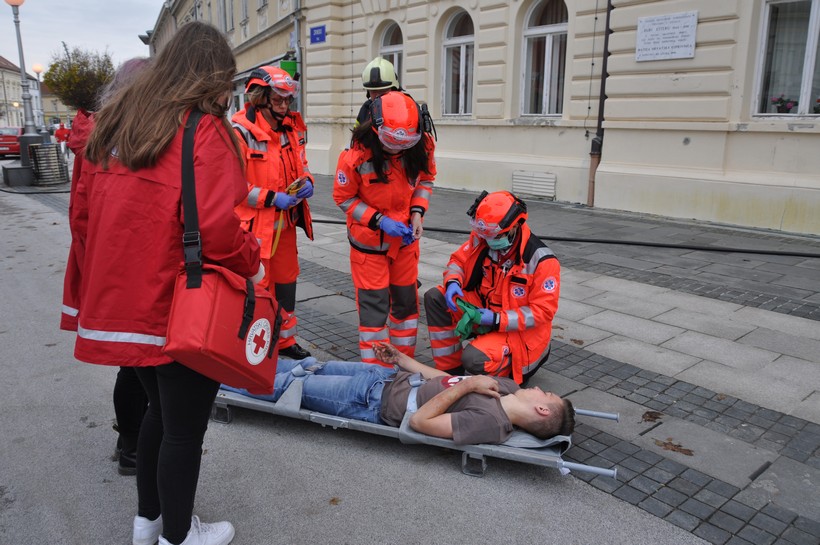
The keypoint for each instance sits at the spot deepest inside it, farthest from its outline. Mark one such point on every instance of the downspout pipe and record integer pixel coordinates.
(297, 15)
(598, 140)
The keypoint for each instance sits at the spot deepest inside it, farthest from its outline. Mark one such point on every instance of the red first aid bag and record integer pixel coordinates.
(226, 329)
(221, 324)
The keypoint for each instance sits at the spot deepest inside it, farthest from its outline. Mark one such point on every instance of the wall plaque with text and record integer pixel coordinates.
(663, 37)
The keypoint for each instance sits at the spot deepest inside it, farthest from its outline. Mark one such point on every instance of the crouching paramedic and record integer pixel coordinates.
(468, 410)
(273, 141)
(513, 278)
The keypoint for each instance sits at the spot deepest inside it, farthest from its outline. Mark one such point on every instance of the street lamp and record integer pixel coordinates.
(38, 69)
(30, 135)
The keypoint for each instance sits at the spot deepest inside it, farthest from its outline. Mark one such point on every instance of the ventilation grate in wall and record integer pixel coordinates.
(539, 184)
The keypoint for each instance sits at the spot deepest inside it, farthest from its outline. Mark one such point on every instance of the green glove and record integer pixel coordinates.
(470, 324)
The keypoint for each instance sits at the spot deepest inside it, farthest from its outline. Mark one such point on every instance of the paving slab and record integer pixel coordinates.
(793, 325)
(631, 423)
(309, 290)
(631, 326)
(809, 408)
(577, 292)
(783, 343)
(720, 350)
(788, 484)
(695, 303)
(575, 310)
(717, 326)
(626, 287)
(576, 333)
(778, 393)
(641, 308)
(644, 355)
(796, 370)
(716, 454)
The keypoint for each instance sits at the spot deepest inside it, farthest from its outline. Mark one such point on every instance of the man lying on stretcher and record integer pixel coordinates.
(468, 410)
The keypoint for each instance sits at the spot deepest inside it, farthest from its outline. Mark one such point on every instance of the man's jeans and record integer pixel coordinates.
(340, 388)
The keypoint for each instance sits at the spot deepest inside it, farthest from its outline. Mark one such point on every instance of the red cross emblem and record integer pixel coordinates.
(259, 341)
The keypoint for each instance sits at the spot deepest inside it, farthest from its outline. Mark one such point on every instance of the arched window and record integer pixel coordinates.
(392, 48)
(545, 52)
(459, 51)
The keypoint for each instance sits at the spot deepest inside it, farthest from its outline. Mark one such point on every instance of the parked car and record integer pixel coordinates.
(10, 140)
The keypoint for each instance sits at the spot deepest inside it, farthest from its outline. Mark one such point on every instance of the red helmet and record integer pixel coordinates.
(496, 213)
(395, 118)
(277, 79)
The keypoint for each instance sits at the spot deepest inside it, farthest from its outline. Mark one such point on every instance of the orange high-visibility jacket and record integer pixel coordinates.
(360, 196)
(273, 160)
(524, 291)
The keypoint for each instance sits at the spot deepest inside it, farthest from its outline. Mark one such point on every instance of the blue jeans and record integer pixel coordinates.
(340, 388)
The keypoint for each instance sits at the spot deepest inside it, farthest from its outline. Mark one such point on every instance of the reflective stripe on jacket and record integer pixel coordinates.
(130, 227)
(357, 191)
(273, 160)
(523, 290)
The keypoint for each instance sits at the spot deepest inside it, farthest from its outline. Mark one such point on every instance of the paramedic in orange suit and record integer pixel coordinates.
(513, 278)
(383, 184)
(273, 141)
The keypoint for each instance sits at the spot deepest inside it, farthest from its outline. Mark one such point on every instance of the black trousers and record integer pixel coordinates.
(130, 403)
(169, 450)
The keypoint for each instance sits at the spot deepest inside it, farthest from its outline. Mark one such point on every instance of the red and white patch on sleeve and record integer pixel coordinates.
(449, 382)
(549, 284)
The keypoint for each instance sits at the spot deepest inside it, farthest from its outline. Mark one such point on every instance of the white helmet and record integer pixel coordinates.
(379, 74)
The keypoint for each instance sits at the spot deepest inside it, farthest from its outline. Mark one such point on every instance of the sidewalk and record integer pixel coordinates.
(711, 359)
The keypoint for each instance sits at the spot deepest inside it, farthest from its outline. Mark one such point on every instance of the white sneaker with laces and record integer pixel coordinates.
(146, 532)
(201, 533)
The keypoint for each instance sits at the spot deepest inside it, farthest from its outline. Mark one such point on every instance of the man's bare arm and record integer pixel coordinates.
(389, 354)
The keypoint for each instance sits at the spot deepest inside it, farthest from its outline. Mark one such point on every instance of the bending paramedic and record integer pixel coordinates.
(279, 185)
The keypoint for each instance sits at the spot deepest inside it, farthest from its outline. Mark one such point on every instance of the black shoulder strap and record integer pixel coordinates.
(191, 240)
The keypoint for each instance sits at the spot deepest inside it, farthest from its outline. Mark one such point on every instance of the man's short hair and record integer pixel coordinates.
(560, 421)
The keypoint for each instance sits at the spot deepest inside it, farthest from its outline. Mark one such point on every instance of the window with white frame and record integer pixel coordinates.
(392, 48)
(222, 22)
(545, 53)
(789, 79)
(459, 51)
(229, 14)
(244, 9)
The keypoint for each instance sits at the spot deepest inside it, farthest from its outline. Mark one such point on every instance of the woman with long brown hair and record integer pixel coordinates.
(129, 217)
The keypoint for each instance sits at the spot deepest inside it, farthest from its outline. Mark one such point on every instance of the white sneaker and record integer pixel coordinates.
(201, 533)
(146, 532)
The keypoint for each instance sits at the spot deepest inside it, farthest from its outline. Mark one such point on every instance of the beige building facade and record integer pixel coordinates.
(710, 110)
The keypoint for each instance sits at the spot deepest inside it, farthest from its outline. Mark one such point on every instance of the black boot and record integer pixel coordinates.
(127, 463)
(294, 352)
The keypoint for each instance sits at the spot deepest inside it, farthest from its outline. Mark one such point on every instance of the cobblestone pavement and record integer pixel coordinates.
(730, 468)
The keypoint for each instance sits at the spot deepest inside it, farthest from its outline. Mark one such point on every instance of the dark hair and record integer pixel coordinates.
(193, 70)
(415, 159)
(560, 421)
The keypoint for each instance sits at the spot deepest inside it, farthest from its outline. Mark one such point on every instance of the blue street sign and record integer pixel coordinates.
(317, 34)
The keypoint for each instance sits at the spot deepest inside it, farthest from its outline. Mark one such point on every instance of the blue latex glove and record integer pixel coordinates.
(306, 191)
(394, 228)
(283, 201)
(450, 293)
(487, 316)
(408, 238)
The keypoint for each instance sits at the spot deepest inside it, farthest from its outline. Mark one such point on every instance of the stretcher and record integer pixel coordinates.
(520, 447)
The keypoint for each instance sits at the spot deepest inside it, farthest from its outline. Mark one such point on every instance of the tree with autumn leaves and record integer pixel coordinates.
(77, 76)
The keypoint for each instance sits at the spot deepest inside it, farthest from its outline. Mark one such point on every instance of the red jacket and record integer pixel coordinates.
(273, 160)
(130, 226)
(360, 196)
(524, 291)
(83, 125)
(62, 134)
